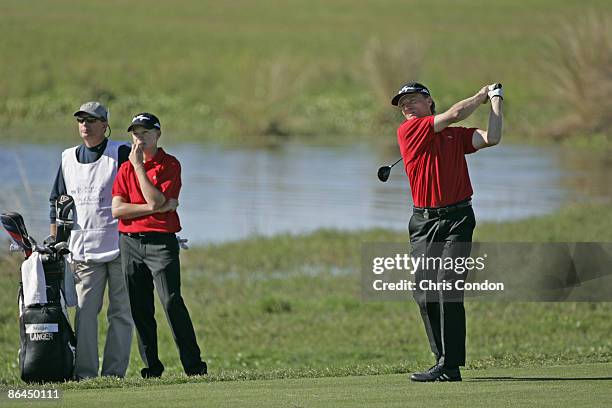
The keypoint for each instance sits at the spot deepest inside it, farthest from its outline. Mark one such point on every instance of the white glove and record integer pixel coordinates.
(495, 90)
(182, 242)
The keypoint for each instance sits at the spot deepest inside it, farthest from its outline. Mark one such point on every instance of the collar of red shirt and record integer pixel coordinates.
(158, 158)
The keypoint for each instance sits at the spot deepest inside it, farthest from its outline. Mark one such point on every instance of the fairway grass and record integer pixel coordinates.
(290, 306)
(584, 385)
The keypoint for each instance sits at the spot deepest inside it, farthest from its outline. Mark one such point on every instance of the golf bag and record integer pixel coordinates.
(47, 341)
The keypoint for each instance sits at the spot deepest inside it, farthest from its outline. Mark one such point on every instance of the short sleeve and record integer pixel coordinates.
(466, 135)
(120, 184)
(414, 136)
(170, 183)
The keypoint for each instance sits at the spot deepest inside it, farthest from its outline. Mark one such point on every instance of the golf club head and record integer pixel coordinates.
(383, 173)
(61, 248)
(64, 217)
(13, 223)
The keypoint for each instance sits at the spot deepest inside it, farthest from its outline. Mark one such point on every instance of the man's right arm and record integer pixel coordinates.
(461, 110)
(151, 194)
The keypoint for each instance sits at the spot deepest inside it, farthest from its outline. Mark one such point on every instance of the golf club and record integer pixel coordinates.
(384, 171)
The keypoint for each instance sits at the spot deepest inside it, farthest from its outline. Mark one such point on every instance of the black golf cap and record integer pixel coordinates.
(410, 87)
(146, 120)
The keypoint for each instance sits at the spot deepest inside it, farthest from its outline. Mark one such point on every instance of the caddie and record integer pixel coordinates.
(87, 173)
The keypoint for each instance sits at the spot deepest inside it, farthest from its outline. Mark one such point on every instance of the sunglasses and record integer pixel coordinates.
(88, 119)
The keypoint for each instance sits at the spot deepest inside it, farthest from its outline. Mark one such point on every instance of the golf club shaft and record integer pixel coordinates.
(399, 160)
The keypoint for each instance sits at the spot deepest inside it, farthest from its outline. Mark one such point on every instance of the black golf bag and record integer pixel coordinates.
(47, 341)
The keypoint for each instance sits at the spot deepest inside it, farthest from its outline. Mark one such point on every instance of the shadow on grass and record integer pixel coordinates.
(483, 379)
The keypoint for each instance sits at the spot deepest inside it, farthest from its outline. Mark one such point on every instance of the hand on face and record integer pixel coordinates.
(136, 154)
(146, 139)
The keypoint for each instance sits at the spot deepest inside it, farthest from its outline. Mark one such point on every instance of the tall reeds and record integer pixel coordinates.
(582, 70)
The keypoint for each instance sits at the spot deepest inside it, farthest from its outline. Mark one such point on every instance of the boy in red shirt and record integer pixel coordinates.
(443, 220)
(145, 197)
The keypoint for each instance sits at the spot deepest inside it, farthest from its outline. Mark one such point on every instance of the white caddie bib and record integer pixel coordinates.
(95, 234)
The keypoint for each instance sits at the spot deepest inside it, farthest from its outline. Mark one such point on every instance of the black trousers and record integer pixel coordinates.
(442, 311)
(155, 258)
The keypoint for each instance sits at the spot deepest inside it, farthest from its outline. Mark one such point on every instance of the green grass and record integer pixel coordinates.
(199, 64)
(290, 307)
(586, 385)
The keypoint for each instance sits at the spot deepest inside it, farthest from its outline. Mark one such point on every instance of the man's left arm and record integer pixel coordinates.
(492, 136)
(171, 184)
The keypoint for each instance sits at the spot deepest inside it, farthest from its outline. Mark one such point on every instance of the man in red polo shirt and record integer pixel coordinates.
(443, 220)
(145, 197)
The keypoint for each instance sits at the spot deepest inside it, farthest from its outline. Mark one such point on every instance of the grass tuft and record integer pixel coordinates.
(386, 66)
(262, 107)
(582, 70)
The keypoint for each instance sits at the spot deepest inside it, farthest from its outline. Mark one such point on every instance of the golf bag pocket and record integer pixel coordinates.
(47, 341)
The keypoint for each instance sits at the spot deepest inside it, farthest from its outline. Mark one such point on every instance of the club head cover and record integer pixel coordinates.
(64, 217)
(14, 225)
(64, 207)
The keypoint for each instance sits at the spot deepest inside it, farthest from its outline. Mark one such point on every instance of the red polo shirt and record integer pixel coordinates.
(164, 171)
(435, 162)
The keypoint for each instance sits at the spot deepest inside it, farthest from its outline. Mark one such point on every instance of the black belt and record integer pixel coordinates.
(441, 211)
(148, 234)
